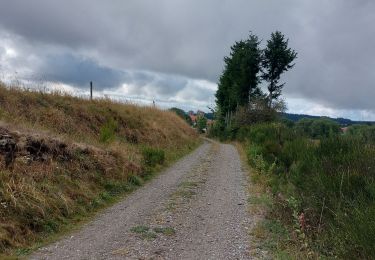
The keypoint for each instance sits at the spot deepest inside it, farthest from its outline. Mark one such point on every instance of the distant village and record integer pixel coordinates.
(200, 120)
(199, 114)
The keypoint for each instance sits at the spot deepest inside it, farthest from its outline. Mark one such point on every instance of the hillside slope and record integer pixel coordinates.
(339, 120)
(64, 157)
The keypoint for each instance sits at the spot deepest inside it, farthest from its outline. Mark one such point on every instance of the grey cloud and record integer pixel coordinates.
(181, 39)
(335, 57)
(79, 71)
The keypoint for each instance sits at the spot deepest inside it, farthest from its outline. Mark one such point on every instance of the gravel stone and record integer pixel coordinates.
(202, 198)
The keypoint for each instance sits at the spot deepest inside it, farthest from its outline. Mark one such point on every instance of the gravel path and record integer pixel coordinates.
(194, 210)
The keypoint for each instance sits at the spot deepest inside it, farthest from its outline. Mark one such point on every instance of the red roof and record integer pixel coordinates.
(193, 118)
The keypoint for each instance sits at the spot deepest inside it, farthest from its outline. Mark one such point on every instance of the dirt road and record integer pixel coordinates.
(194, 210)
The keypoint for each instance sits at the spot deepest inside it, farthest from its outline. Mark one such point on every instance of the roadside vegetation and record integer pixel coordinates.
(322, 188)
(64, 158)
(318, 182)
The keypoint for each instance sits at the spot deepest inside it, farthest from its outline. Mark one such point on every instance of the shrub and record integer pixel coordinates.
(333, 178)
(364, 132)
(317, 128)
(201, 123)
(152, 156)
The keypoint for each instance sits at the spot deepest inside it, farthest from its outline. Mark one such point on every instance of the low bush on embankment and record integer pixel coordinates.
(323, 187)
(63, 157)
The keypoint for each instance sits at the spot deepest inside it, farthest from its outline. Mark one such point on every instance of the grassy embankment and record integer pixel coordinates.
(318, 191)
(64, 158)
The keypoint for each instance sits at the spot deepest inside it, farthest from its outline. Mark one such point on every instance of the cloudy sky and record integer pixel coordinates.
(172, 51)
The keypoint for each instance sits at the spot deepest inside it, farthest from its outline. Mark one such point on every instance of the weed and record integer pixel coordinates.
(185, 193)
(22, 251)
(169, 231)
(144, 231)
(152, 156)
(276, 232)
(140, 229)
(188, 184)
(149, 235)
(262, 199)
(108, 131)
(135, 180)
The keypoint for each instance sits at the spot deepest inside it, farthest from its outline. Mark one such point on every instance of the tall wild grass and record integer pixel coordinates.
(324, 183)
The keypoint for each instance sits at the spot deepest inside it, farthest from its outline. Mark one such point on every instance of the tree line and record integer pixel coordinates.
(246, 67)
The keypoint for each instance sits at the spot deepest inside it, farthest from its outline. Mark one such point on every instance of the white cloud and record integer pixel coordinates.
(316, 108)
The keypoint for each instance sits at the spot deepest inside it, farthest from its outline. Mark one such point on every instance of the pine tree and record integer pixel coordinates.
(277, 59)
(240, 78)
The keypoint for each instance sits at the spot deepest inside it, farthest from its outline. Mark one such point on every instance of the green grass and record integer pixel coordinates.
(140, 229)
(277, 232)
(328, 182)
(263, 200)
(108, 131)
(152, 156)
(148, 234)
(169, 231)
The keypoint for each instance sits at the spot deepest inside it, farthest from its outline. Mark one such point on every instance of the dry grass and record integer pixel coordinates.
(101, 157)
(83, 120)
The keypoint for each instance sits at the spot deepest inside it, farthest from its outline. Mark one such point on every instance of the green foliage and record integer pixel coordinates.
(275, 232)
(181, 113)
(108, 131)
(153, 156)
(140, 229)
(240, 78)
(258, 112)
(239, 98)
(330, 180)
(278, 58)
(169, 231)
(201, 123)
(365, 132)
(135, 180)
(317, 128)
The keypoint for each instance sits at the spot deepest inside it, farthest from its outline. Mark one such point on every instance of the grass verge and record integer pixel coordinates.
(319, 192)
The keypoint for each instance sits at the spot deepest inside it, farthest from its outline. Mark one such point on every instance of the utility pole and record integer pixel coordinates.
(90, 90)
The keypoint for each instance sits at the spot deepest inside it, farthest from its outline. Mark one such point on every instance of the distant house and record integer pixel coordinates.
(194, 116)
(193, 119)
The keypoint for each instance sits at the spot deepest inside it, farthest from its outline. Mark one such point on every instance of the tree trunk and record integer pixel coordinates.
(270, 100)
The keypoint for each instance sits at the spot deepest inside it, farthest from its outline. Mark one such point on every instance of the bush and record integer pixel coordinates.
(333, 176)
(201, 123)
(152, 156)
(364, 132)
(317, 128)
